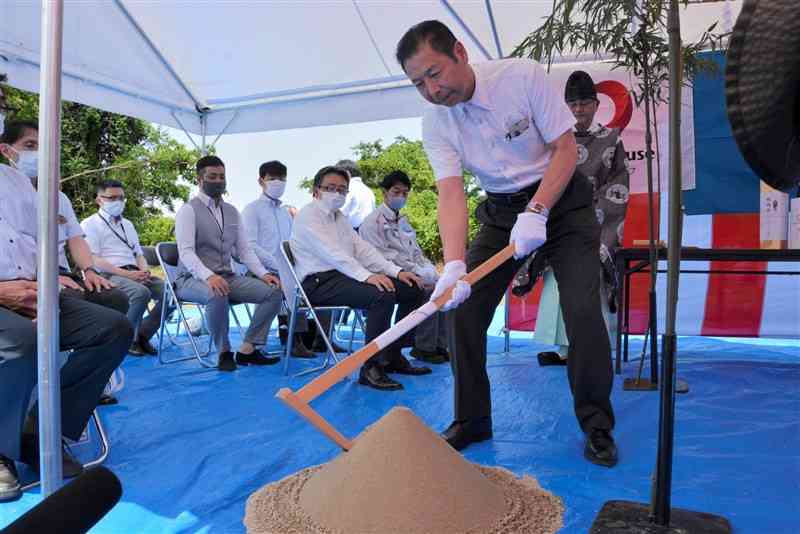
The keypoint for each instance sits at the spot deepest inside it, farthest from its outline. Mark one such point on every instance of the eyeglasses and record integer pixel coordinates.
(341, 189)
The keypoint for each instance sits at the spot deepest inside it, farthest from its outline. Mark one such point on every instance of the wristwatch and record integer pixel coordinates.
(538, 207)
(93, 269)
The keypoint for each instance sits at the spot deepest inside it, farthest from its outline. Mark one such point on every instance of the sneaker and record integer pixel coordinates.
(10, 488)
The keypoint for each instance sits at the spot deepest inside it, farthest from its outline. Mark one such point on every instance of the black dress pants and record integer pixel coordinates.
(332, 288)
(573, 239)
(98, 338)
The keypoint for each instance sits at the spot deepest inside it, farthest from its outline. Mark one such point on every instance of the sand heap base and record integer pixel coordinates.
(401, 477)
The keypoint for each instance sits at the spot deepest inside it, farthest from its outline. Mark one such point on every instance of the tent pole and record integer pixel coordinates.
(203, 129)
(47, 332)
(225, 129)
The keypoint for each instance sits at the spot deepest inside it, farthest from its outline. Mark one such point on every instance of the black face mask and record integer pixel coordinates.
(213, 189)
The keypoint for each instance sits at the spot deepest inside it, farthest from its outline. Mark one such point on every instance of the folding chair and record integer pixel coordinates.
(98, 426)
(297, 302)
(167, 255)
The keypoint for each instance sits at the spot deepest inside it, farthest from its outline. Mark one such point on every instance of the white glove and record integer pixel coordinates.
(529, 233)
(453, 270)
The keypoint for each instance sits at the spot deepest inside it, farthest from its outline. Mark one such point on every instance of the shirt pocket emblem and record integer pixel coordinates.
(517, 128)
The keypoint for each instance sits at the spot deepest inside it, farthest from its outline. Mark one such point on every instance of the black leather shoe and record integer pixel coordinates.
(136, 350)
(10, 488)
(226, 361)
(146, 346)
(299, 349)
(445, 353)
(600, 448)
(434, 357)
(375, 377)
(461, 433)
(255, 358)
(29, 454)
(401, 366)
(550, 358)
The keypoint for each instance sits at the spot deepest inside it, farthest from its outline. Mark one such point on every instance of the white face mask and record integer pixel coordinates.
(28, 162)
(2, 123)
(114, 207)
(274, 188)
(333, 200)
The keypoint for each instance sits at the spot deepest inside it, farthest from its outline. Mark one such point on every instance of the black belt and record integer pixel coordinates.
(522, 196)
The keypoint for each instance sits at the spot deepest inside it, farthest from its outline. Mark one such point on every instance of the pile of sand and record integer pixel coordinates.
(402, 477)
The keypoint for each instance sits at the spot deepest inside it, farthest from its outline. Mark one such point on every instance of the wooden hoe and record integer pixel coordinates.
(300, 400)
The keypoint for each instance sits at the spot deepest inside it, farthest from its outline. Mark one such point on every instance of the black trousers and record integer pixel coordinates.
(573, 239)
(99, 339)
(113, 298)
(332, 288)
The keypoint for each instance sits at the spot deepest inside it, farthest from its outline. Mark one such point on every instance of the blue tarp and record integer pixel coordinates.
(190, 444)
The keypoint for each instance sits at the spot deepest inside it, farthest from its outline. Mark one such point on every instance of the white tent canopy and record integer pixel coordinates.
(249, 65)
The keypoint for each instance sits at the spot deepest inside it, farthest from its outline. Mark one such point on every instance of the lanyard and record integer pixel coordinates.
(120, 237)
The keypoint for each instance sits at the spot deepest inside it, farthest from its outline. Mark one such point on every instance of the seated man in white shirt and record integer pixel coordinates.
(267, 224)
(20, 145)
(209, 235)
(360, 200)
(392, 235)
(338, 268)
(117, 253)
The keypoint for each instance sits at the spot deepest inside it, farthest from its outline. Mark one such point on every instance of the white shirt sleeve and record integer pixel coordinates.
(550, 113)
(184, 236)
(252, 228)
(373, 260)
(73, 228)
(316, 235)
(92, 234)
(442, 155)
(246, 254)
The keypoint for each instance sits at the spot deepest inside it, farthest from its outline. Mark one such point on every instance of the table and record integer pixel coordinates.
(640, 256)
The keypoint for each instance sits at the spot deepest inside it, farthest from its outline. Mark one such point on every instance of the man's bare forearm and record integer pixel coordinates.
(452, 216)
(559, 172)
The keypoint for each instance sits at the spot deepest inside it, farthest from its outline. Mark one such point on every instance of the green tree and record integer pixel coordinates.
(157, 229)
(155, 169)
(376, 161)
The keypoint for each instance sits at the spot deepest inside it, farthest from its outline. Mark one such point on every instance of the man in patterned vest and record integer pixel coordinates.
(209, 235)
(601, 159)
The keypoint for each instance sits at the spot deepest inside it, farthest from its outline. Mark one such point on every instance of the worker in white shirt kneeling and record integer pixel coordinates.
(338, 268)
(391, 233)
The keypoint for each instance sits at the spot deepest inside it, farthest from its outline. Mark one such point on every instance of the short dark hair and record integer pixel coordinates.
(208, 161)
(107, 184)
(393, 178)
(330, 169)
(16, 129)
(272, 168)
(433, 32)
(350, 166)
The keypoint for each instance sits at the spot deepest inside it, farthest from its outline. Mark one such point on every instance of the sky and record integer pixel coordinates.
(304, 151)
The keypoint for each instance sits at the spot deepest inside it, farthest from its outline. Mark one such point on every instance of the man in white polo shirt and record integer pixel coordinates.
(117, 253)
(504, 122)
(360, 200)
